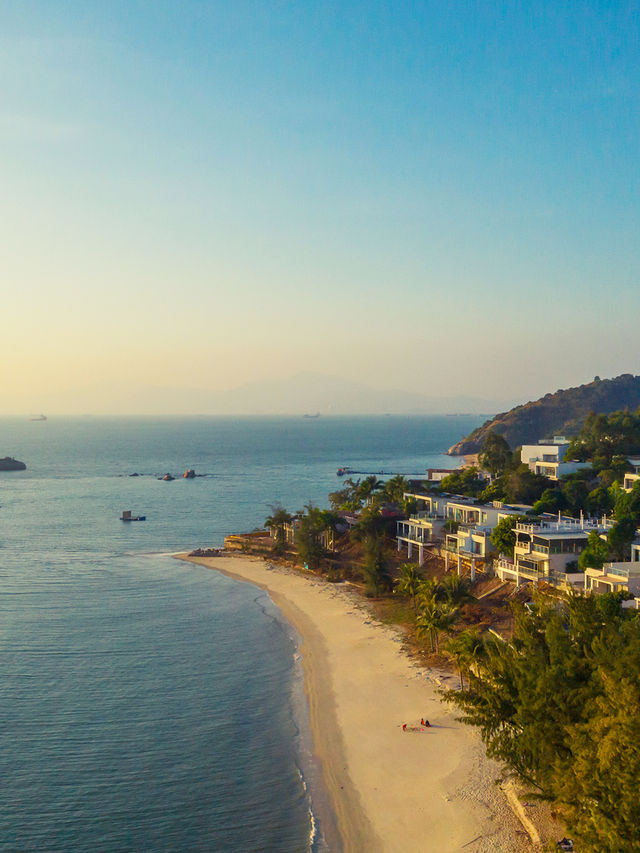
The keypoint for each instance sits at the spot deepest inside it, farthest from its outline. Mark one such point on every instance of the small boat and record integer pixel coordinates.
(167, 478)
(342, 471)
(189, 474)
(8, 463)
(126, 516)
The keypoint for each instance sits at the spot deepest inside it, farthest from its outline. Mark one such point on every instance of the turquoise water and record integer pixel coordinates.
(147, 704)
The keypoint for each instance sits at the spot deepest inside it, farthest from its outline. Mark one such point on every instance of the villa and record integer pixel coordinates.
(549, 551)
(547, 458)
(470, 525)
(614, 577)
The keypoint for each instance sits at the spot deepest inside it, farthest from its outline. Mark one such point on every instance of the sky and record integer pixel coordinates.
(441, 198)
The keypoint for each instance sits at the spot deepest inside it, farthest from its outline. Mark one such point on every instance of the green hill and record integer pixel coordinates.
(562, 413)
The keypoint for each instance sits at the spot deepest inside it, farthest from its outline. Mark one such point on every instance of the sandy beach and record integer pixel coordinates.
(421, 790)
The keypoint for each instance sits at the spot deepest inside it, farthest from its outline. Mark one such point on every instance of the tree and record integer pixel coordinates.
(599, 501)
(376, 566)
(456, 590)
(368, 487)
(595, 554)
(433, 618)
(276, 523)
(346, 498)
(503, 535)
(521, 485)
(496, 454)
(394, 489)
(620, 536)
(552, 500)
(313, 524)
(463, 482)
(409, 581)
(466, 649)
(598, 791)
(559, 703)
(427, 621)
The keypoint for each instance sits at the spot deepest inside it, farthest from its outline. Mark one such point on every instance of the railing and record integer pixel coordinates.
(565, 525)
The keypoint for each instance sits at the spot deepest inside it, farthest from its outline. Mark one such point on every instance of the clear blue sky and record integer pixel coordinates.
(431, 196)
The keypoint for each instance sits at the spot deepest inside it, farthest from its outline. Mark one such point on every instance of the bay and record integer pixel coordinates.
(148, 704)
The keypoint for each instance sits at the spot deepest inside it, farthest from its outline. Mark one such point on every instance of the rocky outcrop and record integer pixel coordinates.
(561, 413)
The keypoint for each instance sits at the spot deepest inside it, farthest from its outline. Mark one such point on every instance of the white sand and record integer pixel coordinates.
(431, 790)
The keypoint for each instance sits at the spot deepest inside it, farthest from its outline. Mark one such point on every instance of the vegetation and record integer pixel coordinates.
(355, 495)
(277, 522)
(409, 582)
(376, 565)
(313, 524)
(560, 705)
(496, 454)
(463, 482)
(607, 441)
(503, 535)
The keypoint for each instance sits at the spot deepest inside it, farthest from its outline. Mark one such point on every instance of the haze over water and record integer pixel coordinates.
(147, 703)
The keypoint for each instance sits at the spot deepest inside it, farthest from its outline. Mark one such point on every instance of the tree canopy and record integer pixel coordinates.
(559, 703)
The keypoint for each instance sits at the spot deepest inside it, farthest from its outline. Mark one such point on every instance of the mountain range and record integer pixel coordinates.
(302, 393)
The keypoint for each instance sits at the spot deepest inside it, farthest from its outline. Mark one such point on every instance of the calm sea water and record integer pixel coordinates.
(147, 704)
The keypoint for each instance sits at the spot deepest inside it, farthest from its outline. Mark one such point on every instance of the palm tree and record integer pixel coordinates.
(428, 589)
(368, 486)
(448, 617)
(433, 619)
(456, 590)
(467, 648)
(427, 620)
(395, 488)
(276, 523)
(409, 582)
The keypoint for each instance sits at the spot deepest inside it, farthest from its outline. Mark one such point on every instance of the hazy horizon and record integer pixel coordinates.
(438, 201)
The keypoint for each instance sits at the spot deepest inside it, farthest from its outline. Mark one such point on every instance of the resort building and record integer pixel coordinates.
(425, 526)
(547, 458)
(549, 551)
(474, 524)
(614, 577)
(459, 524)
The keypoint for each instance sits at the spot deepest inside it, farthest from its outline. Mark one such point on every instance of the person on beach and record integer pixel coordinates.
(404, 727)
(427, 724)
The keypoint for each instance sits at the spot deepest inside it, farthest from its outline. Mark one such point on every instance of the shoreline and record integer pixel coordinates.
(431, 789)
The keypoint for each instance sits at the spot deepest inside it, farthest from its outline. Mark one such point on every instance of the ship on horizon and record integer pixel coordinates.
(8, 463)
(38, 418)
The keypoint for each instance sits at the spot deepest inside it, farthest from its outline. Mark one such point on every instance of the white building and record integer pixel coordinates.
(474, 525)
(614, 577)
(424, 527)
(547, 458)
(549, 551)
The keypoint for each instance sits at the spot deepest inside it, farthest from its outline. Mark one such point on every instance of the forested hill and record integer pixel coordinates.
(562, 413)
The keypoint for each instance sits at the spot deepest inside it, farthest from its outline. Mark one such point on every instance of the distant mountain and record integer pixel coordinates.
(303, 393)
(562, 413)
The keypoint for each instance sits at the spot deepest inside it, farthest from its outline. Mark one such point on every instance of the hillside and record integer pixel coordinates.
(562, 413)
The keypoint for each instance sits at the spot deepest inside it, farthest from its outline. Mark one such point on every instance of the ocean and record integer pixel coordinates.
(148, 704)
